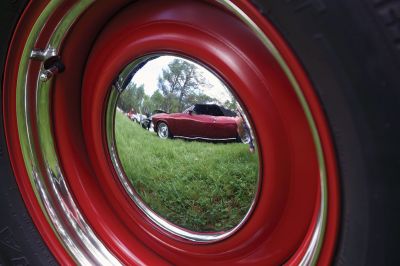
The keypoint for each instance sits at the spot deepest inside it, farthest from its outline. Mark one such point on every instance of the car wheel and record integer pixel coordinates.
(318, 79)
(245, 138)
(163, 130)
(144, 124)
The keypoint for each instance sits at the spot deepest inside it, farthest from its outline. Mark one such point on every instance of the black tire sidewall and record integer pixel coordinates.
(354, 70)
(20, 242)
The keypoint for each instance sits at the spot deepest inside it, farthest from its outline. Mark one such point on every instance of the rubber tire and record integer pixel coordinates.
(20, 242)
(350, 50)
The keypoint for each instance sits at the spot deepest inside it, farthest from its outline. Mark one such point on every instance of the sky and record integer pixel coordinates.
(148, 76)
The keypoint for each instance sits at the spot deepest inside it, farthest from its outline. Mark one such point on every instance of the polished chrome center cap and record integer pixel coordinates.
(183, 147)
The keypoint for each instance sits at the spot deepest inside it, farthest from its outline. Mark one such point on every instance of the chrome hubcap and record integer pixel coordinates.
(163, 131)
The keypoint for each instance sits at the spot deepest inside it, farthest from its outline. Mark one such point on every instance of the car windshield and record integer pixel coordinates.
(208, 109)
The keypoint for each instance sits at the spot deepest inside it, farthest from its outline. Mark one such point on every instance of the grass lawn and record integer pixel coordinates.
(197, 185)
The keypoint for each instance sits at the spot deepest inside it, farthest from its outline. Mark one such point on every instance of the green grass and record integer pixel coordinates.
(197, 185)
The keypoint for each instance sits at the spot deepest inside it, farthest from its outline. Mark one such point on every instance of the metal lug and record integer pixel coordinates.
(43, 55)
(51, 66)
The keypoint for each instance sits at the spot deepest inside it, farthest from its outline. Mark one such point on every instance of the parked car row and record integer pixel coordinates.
(143, 119)
(136, 117)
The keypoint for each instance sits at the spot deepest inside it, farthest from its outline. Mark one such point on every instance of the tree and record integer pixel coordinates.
(180, 83)
(157, 101)
(131, 98)
(199, 98)
(147, 105)
(231, 104)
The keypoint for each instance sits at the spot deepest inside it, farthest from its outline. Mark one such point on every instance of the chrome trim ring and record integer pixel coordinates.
(48, 182)
(314, 248)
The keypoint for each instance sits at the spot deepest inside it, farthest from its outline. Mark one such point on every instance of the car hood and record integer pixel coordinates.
(162, 115)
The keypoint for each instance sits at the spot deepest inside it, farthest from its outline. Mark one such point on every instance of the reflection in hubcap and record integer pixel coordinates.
(185, 147)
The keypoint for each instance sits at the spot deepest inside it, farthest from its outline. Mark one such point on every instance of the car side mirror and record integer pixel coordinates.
(190, 112)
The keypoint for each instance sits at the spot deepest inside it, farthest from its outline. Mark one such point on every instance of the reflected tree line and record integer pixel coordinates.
(180, 85)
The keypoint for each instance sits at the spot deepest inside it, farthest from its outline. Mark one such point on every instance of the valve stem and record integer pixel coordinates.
(52, 63)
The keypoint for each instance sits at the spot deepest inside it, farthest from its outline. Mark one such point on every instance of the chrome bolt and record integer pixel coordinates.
(47, 74)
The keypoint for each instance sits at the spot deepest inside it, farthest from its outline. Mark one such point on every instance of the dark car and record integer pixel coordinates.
(147, 120)
(200, 121)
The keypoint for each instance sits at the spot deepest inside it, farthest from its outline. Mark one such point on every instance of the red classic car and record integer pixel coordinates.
(200, 121)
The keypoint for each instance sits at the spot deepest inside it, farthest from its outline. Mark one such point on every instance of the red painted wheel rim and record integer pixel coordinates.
(281, 225)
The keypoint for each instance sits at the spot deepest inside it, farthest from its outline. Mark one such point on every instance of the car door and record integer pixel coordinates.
(194, 125)
(223, 127)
